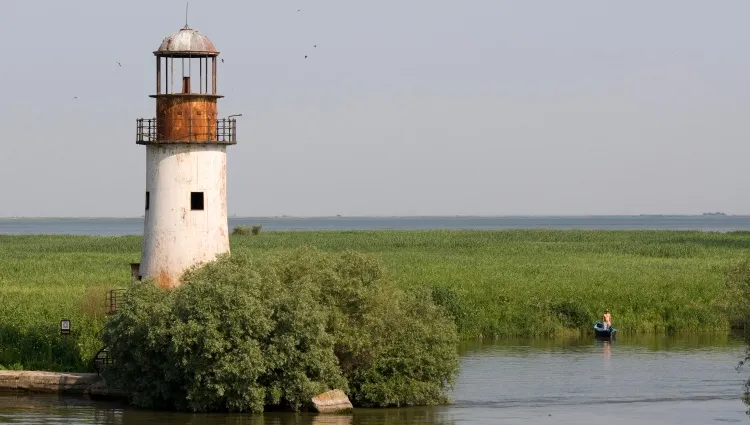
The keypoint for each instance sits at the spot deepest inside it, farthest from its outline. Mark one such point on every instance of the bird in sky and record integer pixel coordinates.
(118, 63)
(315, 45)
(305, 56)
(222, 60)
(75, 97)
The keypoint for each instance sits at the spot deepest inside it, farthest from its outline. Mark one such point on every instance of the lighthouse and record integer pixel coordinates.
(186, 162)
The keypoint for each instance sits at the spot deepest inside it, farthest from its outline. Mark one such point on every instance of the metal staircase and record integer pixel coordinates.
(101, 358)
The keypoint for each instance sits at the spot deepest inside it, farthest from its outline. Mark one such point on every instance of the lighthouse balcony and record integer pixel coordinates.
(222, 131)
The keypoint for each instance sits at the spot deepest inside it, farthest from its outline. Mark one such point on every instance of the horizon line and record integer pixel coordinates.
(393, 216)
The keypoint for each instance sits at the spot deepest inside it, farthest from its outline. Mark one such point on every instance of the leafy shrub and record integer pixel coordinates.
(245, 333)
(241, 230)
(449, 299)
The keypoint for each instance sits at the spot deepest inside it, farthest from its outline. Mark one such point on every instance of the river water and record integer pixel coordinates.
(134, 226)
(681, 380)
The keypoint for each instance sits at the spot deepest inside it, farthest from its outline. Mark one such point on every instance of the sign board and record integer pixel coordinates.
(64, 327)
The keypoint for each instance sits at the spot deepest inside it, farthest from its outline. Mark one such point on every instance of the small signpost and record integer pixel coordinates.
(65, 327)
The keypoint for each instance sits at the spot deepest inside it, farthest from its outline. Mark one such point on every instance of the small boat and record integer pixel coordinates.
(600, 332)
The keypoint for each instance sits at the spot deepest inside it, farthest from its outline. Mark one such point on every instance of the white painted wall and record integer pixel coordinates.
(175, 237)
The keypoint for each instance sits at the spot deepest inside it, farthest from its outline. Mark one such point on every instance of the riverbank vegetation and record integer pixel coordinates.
(738, 307)
(494, 283)
(248, 333)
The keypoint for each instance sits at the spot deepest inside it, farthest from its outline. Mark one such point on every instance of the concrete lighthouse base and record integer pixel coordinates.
(186, 209)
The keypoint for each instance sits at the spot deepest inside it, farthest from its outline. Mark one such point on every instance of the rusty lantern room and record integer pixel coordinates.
(186, 93)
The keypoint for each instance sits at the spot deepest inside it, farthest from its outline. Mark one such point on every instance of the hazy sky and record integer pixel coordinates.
(406, 107)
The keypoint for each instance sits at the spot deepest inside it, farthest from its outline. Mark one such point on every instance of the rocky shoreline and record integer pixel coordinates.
(57, 382)
(94, 385)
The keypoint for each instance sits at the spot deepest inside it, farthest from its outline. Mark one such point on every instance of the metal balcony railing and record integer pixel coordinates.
(186, 130)
(145, 130)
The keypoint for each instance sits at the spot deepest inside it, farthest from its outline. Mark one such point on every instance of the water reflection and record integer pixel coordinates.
(420, 415)
(607, 349)
(24, 408)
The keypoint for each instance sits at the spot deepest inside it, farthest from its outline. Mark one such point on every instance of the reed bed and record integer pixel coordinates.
(552, 282)
(496, 284)
(44, 279)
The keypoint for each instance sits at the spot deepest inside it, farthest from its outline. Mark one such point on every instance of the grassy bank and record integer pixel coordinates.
(495, 283)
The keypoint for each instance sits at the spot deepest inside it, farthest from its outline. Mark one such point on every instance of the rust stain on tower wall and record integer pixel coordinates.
(165, 280)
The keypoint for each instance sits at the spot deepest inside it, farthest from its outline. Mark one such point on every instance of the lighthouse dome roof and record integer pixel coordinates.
(186, 42)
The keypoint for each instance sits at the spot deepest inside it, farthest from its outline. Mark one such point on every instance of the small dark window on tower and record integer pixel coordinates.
(196, 201)
(147, 200)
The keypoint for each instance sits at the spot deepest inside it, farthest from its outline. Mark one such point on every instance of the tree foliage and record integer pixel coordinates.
(246, 333)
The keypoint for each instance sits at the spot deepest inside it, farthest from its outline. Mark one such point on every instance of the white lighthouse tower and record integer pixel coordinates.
(186, 162)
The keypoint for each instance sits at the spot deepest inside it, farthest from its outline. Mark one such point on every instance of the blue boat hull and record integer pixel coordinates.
(600, 332)
(604, 333)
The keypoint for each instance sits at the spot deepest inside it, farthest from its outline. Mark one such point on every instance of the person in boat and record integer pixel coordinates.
(607, 319)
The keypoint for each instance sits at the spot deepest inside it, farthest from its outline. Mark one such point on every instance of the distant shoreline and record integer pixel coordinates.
(112, 226)
(313, 217)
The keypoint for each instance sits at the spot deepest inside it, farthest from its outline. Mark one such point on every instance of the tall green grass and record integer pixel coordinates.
(495, 283)
(44, 279)
(542, 282)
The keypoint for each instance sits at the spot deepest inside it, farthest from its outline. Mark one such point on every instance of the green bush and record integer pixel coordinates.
(247, 333)
(241, 230)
